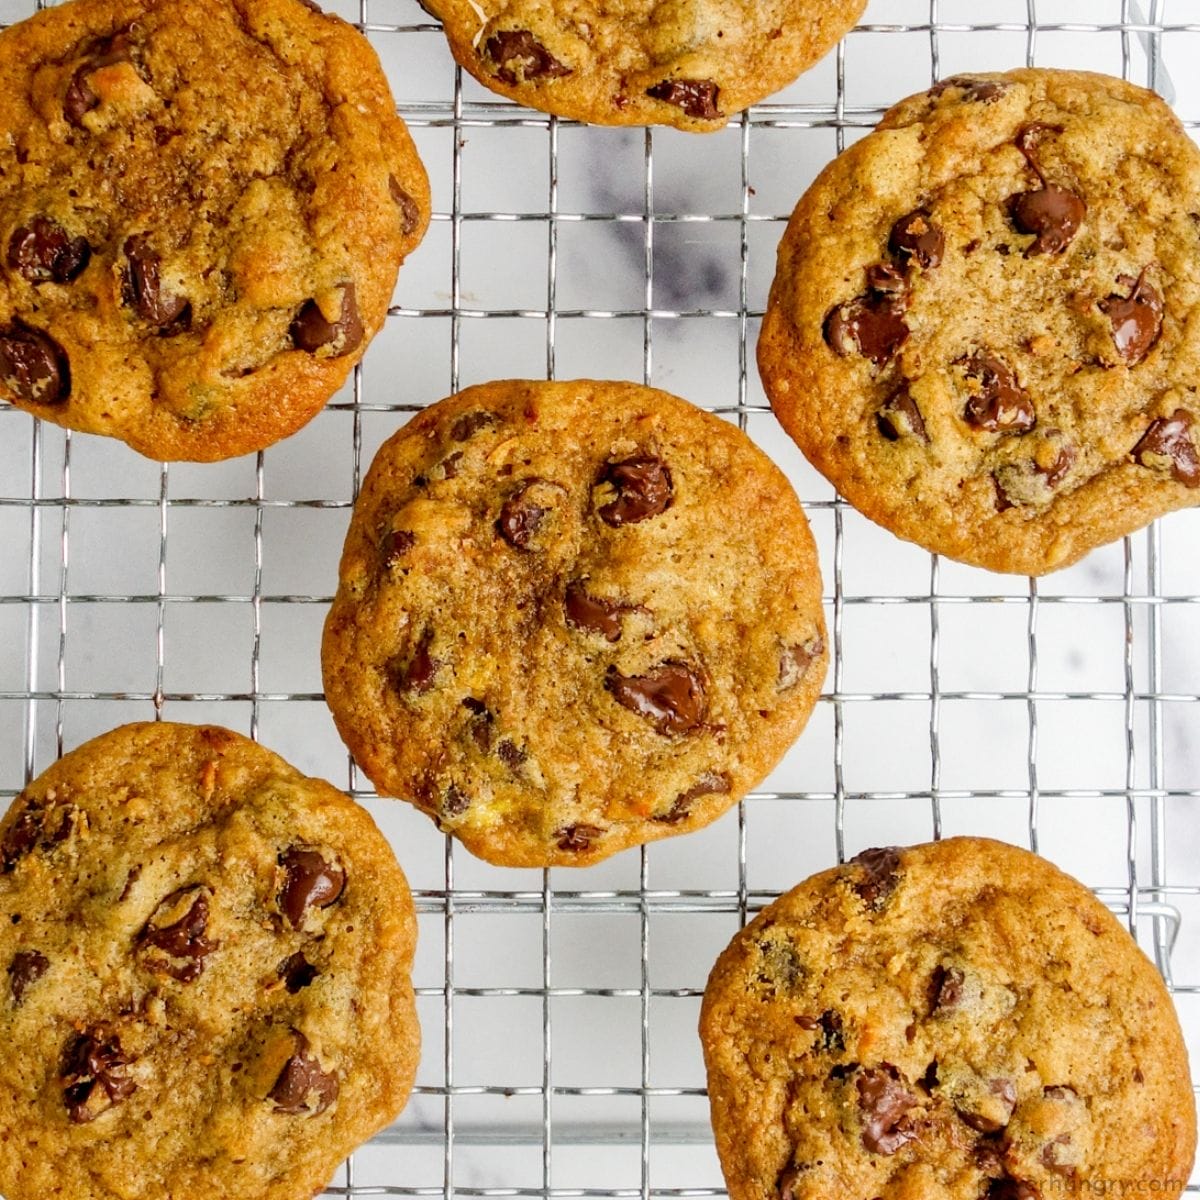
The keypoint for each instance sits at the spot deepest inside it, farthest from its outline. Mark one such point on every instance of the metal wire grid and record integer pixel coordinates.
(450, 1125)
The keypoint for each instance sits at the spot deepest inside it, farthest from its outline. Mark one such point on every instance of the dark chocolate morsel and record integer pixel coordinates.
(1167, 445)
(670, 696)
(311, 331)
(997, 403)
(470, 423)
(1012, 1189)
(410, 214)
(709, 784)
(510, 754)
(830, 1025)
(395, 545)
(44, 252)
(880, 872)
(594, 614)
(80, 97)
(697, 97)
(26, 968)
(521, 517)
(884, 1100)
(310, 881)
(872, 325)
(1051, 213)
(296, 972)
(33, 366)
(1136, 319)
(899, 417)
(303, 1086)
(144, 291)
(21, 837)
(415, 675)
(177, 927)
(914, 236)
(978, 91)
(1059, 469)
(945, 989)
(795, 660)
(455, 801)
(643, 486)
(93, 1075)
(577, 837)
(519, 56)
(996, 1113)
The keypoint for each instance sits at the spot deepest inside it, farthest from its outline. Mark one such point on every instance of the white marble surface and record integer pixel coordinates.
(1102, 650)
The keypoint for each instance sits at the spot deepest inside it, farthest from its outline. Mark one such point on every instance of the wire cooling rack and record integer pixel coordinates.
(558, 1008)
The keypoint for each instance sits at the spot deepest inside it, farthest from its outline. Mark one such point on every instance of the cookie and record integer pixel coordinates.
(203, 207)
(984, 324)
(950, 1021)
(205, 987)
(687, 63)
(572, 618)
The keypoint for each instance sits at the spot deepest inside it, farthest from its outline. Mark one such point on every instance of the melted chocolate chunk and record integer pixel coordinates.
(455, 801)
(916, 238)
(143, 289)
(1051, 213)
(997, 403)
(978, 91)
(26, 968)
(1056, 1155)
(415, 675)
(644, 490)
(470, 423)
(80, 97)
(44, 252)
(830, 1025)
(312, 332)
(510, 754)
(884, 1100)
(899, 417)
(33, 366)
(521, 517)
(36, 827)
(182, 937)
(518, 55)
(1136, 319)
(296, 972)
(873, 324)
(709, 784)
(880, 872)
(303, 1086)
(311, 882)
(1012, 1189)
(945, 989)
(396, 544)
(795, 660)
(93, 1075)
(697, 97)
(1167, 445)
(996, 1111)
(410, 213)
(594, 614)
(670, 696)
(577, 837)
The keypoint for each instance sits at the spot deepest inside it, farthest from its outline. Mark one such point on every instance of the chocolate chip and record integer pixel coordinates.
(93, 1075)
(577, 837)
(978, 91)
(410, 213)
(80, 97)
(36, 827)
(1167, 445)
(470, 423)
(311, 331)
(1136, 319)
(449, 465)
(521, 516)
(671, 696)
(26, 968)
(303, 1086)
(177, 927)
(945, 989)
(594, 614)
(1012, 1189)
(1056, 1155)
(643, 486)
(899, 417)
(885, 1101)
(479, 725)
(311, 882)
(43, 252)
(697, 97)
(1052, 213)
(1003, 503)
(830, 1025)
(519, 56)
(395, 545)
(915, 236)
(709, 784)
(995, 1109)
(414, 676)
(1059, 469)
(795, 660)
(997, 403)
(872, 325)
(33, 366)
(455, 801)
(144, 291)
(296, 972)
(510, 754)
(879, 875)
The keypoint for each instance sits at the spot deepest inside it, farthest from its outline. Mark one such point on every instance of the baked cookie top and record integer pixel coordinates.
(985, 323)
(687, 63)
(949, 1021)
(205, 986)
(572, 618)
(203, 206)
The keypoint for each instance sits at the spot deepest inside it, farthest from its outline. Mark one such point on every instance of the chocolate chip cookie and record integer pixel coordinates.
(205, 966)
(985, 323)
(951, 1021)
(572, 618)
(687, 63)
(203, 206)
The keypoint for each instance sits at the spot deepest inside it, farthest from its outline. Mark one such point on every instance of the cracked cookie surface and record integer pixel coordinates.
(984, 327)
(572, 618)
(952, 1021)
(204, 974)
(203, 207)
(687, 63)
